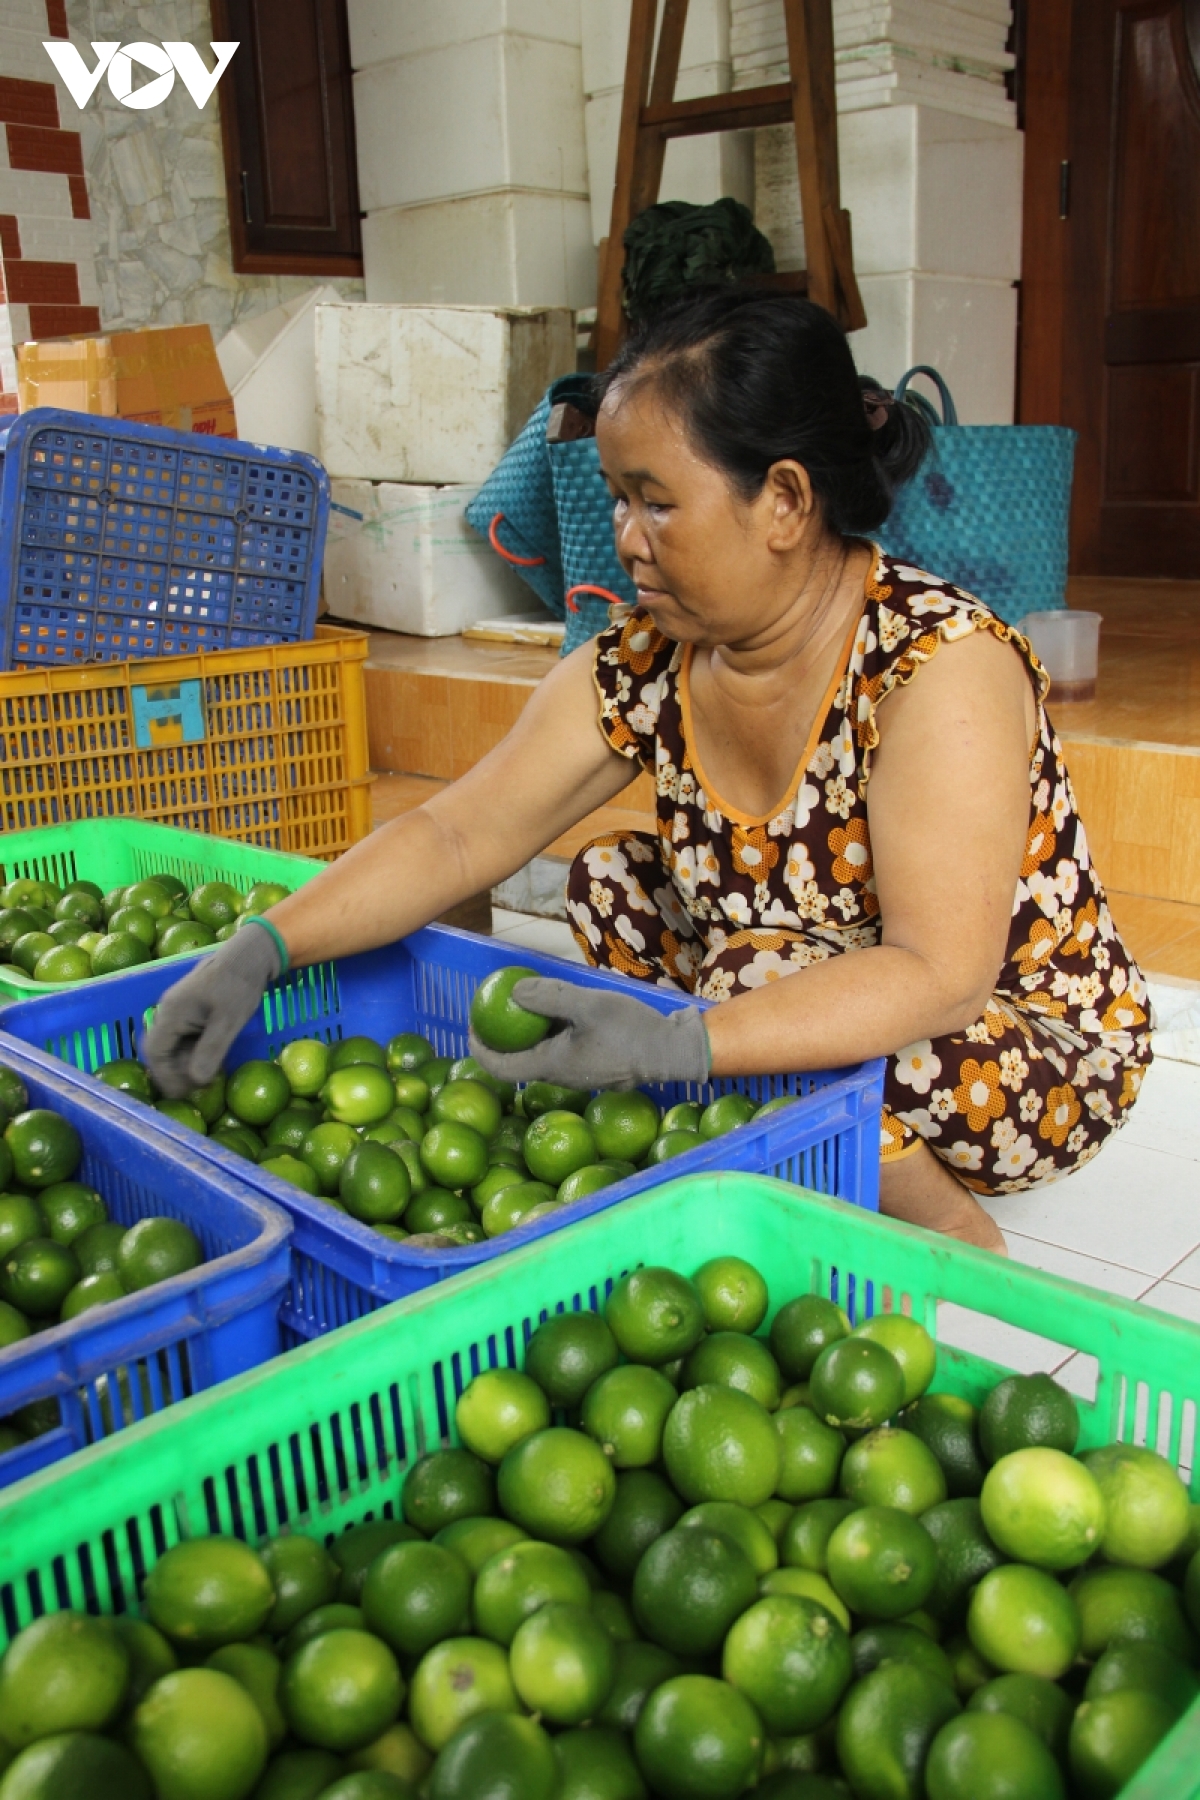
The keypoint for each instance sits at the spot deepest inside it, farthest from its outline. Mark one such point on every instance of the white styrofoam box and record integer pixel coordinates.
(383, 29)
(502, 249)
(432, 394)
(700, 169)
(606, 40)
(926, 189)
(965, 329)
(503, 111)
(270, 367)
(413, 564)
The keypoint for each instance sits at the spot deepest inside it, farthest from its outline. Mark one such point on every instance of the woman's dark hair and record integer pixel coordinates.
(760, 378)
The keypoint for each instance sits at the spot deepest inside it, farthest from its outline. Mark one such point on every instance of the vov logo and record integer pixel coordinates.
(163, 60)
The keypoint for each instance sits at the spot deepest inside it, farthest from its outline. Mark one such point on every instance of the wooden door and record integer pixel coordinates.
(1112, 287)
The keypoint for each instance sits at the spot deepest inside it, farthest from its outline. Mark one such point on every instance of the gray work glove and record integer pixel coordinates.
(200, 1016)
(606, 1040)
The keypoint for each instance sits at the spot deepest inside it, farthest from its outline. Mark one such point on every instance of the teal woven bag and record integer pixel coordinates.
(988, 509)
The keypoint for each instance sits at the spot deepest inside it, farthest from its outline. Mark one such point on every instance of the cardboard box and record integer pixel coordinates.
(167, 375)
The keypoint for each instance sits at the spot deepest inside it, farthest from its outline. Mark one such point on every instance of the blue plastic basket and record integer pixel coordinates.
(125, 541)
(341, 1270)
(120, 1363)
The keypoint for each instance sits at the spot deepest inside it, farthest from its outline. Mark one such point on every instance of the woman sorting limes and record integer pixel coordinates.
(866, 839)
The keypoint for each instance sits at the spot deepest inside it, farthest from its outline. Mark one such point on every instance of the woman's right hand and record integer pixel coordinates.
(197, 1020)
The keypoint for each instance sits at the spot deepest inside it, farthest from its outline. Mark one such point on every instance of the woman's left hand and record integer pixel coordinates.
(605, 1040)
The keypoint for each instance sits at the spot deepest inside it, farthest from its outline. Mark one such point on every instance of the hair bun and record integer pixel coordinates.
(901, 435)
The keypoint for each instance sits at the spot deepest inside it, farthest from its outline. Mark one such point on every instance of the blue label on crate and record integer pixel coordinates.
(168, 713)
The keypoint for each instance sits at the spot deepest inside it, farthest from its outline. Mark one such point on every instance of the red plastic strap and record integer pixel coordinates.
(586, 587)
(522, 562)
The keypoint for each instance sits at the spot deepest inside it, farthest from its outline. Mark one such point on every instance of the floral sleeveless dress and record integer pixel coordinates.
(717, 902)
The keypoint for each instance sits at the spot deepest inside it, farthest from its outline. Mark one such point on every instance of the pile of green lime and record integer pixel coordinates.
(421, 1145)
(73, 933)
(60, 1253)
(696, 1548)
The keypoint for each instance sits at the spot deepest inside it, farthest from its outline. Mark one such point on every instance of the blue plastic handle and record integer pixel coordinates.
(949, 410)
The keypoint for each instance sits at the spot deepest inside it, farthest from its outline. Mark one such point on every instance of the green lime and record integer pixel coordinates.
(407, 1052)
(397, 1751)
(352, 1051)
(127, 1077)
(790, 1660)
(76, 903)
(96, 1248)
(726, 1114)
(154, 1250)
(732, 1293)
(501, 1022)
(641, 1668)
(14, 1096)
(897, 1642)
(415, 1594)
(563, 1662)
(198, 1732)
(909, 1343)
(1147, 1667)
(299, 1775)
(683, 1116)
(625, 1410)
(447, 1485)
(1112, 1736)
(805, 1542)
(1040, 1506)
(454, 1155)
(697, 1736)
(149, 896)
(1130, 1603)
(590, 1179)
(511, 1205)
(359, 1095)
(596, 1764)
(881, 1562)
(556, 1484)
(150, 1655)
(411, 1091)
(689, 1587)
(28, 951)
(886, 1726)
(357, 1548)
(1146, 1509)
(888, 1467)
(545, 1096)
(556, 1144)
(721, 1445)
(643, 1508)
(243, 1142)
(965, 1554)
(655, 1316)
(305, 1064)
(856, 1384)
(288, 1129)
(303, 1575)
(258, 1671)
(466, 1103)
(133, 921)
(518, 1579)
(64, 1672)
(498, 1754)
(92, 1290)
(1024, 1623)
(325, 1150)
(731, 1359)
(402, 1125)
(21, 1218)
(499, 1176)
(68, 931)
(339, 1615)
(498, 1410)
(181, 1113)
(14, 1326)
(455, 1681)
(264, 895)
(209, 1100)
(436, 1072)
(181, 939)
(1024, 1412)
(37, 1276)
(15, 922)
(1040, 1704)
(374, 1184)
(478, 1540)
(742, 1526)
(803, 1328)
(256, 1092)
(214, 903)
(946, 1423)
(118, 950)
(991, 1756)
(65, 962)
(209, 1591)
(670, 1144)
(622, 1125)
(810, 1455)
(433, 1209)
(341, 1690)
(775, 1515)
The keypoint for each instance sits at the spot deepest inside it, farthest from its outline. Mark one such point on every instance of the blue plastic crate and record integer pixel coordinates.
(341, 1270)
(120, 1363)
(120, 540)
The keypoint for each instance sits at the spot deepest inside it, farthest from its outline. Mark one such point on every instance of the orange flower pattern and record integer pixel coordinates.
(719, 904)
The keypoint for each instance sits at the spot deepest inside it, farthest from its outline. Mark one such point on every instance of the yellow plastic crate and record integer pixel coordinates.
(265, 746)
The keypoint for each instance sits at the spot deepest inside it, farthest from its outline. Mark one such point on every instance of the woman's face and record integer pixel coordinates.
(710, 568)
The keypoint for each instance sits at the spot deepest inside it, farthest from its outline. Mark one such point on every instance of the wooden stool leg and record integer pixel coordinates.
(831, 281)
(638, 63)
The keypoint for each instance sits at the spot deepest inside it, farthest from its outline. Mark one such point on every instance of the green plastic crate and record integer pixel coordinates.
(115, 852)
(320, 1440)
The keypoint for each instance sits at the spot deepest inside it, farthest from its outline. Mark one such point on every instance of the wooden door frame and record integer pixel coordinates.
(1046, 240)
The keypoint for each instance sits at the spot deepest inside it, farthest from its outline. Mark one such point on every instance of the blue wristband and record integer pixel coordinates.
(257, 919)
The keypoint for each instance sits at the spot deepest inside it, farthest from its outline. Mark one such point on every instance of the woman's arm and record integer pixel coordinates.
(948, 804)
(552, 769)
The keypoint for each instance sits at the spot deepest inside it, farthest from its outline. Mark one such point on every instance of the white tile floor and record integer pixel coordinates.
(1128, 1223)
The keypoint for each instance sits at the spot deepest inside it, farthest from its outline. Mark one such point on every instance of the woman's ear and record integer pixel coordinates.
(790, 505)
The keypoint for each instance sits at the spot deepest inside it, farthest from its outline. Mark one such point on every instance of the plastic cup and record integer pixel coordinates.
(1067, 644)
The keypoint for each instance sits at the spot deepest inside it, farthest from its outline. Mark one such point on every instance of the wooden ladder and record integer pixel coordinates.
(651, 115)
